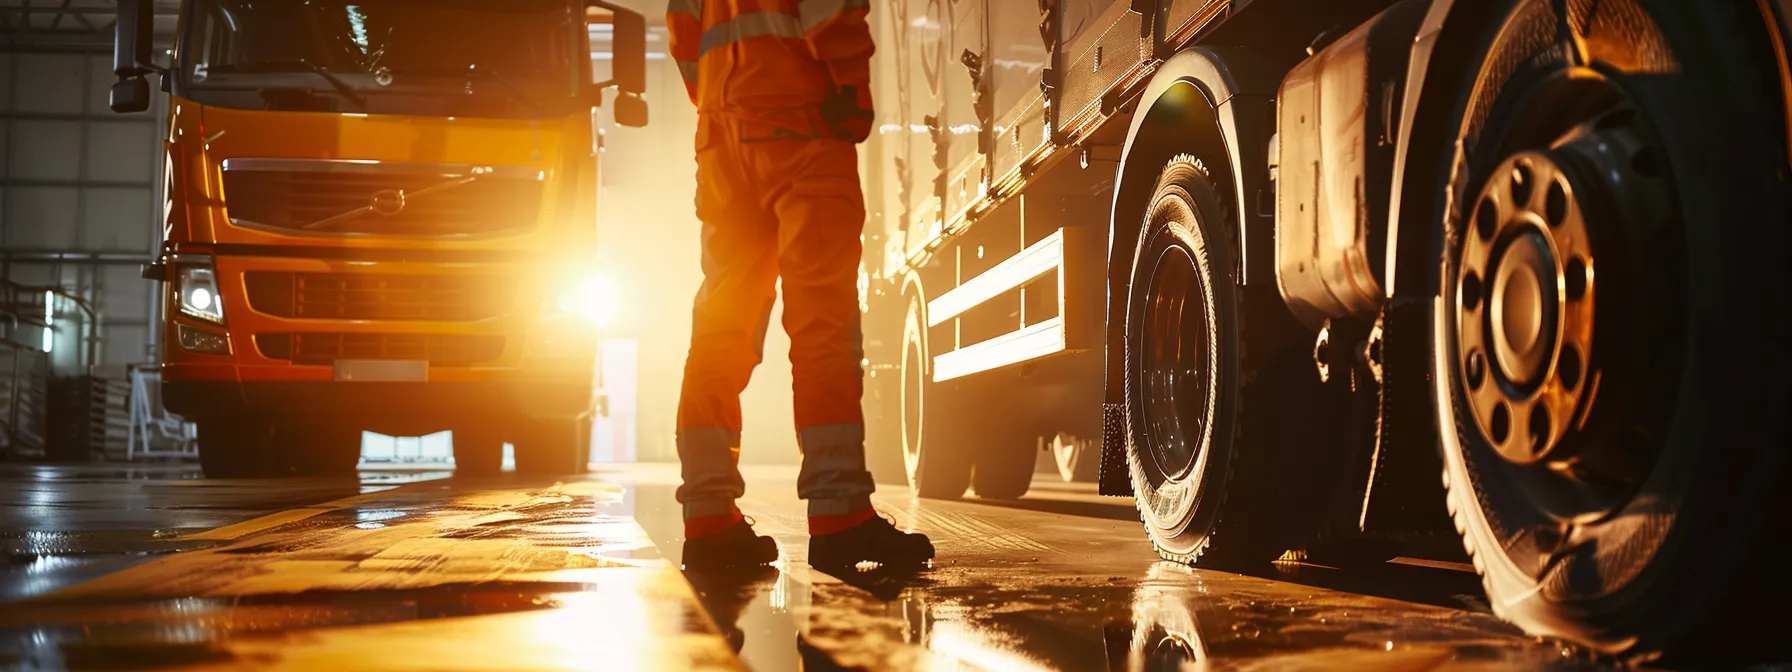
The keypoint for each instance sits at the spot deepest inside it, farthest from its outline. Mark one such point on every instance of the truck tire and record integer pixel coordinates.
(582, 461)
(883, 391)
(477, 452)
(1619, 470)
(933, 455)
(237, 447)
(551, 448)
(1005, 460)
(1075, 459)
(1220, 475)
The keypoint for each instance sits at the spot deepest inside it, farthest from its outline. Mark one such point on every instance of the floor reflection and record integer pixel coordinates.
(1168, 619)
(1103, 604)
(509, 573)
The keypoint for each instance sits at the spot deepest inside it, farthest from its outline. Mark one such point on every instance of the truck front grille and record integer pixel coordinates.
(326, 348)
(345, 296)
(347, 198)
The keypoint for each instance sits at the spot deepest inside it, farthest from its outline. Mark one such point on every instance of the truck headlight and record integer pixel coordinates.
(196, 289)
(588, 298)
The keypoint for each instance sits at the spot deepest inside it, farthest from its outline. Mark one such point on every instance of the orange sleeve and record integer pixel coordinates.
(684, 27)
(838, 36)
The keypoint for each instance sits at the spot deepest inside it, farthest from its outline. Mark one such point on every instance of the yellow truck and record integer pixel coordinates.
(381, 215)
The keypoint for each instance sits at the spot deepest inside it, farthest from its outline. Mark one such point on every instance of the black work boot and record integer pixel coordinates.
(733, 548)
(874, 540)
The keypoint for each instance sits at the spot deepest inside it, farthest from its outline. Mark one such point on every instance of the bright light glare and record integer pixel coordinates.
(593, 300)
(197, 285)
(201, 298)
(49, 322)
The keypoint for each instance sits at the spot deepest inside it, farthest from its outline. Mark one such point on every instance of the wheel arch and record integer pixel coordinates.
(1444, 45)
(1217, 105)
(1776, 19)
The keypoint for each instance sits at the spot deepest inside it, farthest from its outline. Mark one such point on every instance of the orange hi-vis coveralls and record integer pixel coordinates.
(782, 95)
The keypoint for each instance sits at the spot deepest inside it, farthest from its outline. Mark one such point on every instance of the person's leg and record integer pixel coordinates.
(728, 325)
(820, 217)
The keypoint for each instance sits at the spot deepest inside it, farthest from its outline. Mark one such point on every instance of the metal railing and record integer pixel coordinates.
(154, 431)
(25, 304)
(24, 399)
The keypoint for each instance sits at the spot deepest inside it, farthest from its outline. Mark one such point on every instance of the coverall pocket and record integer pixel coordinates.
(825, 168)
(706, 132)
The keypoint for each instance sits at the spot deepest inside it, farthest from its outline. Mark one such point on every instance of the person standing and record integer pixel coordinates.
(783, 96)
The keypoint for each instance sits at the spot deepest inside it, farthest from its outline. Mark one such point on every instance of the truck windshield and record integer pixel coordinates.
(479, 58)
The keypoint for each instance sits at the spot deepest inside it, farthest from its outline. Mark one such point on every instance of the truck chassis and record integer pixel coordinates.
(1350, 248)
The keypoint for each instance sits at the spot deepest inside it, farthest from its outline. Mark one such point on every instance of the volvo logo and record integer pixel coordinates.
(388, 202)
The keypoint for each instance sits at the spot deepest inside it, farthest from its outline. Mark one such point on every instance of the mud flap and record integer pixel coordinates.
(1406, 493)
(1116, 477)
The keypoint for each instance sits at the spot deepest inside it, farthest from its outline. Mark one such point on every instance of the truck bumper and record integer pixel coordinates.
(398, 408)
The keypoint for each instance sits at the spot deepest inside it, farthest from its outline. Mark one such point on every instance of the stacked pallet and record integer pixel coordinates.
(90, 418)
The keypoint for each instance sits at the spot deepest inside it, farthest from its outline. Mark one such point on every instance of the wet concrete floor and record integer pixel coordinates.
(133, 568)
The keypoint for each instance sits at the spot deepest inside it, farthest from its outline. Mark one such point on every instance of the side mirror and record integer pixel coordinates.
(130, 55)
(130, 94)
(631, 110)
(628, 45)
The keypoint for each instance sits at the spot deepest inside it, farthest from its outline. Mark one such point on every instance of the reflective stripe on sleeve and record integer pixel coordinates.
(691, 7)
(688, 69)
(754, 24)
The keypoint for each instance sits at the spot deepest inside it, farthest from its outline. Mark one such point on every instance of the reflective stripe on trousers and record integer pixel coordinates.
(833, 477)
(789, 210)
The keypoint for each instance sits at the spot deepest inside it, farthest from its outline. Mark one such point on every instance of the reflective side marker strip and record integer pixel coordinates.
(1033, 342)
(1037, 260)
(1030, 341)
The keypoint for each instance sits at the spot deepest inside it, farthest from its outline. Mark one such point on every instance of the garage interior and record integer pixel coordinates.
(116, 552)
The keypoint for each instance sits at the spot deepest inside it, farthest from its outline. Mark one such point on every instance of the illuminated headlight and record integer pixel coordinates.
(589, 298)
(196, 288)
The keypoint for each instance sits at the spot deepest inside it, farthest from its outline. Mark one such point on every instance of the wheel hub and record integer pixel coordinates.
(1524, 315)
(1176, 362)
(1525, 307)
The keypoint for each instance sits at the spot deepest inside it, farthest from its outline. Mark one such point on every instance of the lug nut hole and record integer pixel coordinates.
(1575, 279)
(1486, 219)
(1521, 184)
(1557, 204)
(1569, 367)
(1540, 429)
(1502, 424)
(1471, 291)
(1476, 369)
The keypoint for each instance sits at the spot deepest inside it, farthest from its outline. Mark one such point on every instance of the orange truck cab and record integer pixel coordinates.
(380, 215)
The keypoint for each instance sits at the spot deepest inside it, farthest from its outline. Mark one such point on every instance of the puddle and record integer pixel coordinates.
(137, 635)
(1169, 618)
(33, 544)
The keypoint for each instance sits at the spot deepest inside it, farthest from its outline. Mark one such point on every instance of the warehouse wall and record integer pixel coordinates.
(78, 188)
